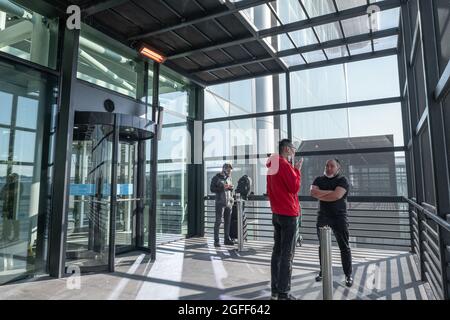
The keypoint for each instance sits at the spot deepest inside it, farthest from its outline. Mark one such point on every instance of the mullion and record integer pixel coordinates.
(371, 28)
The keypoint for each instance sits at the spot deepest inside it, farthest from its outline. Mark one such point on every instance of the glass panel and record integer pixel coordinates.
(174, 94)
(360, 47)
(90, 196)
(320, 86)
(22, 139)
(303, 37)
(386, 19)
(369, 174)
(247, 136)
(106, 63)
(336, 52)
(23, 241)
(27, 112)
(279, 42)
(262, 94)
(385, 43)
(316, 8)
(314, 56)
(293, 60)
(329, 31)
(288, 10)
(356, 26)
(352, 128)
(173, 159)
(382, 82)
(28, 35)
(6, 100)
(260, 17)
(348, 4)
(346, 83)
(126, 193)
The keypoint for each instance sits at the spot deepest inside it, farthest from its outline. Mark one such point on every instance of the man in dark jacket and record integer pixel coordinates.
(331, 190)
(222, 186)
(283, 185)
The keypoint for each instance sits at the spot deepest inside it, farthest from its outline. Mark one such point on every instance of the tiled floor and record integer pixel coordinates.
(194, 269)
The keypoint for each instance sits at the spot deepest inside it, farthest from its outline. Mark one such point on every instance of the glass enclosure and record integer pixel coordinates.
(27, 109)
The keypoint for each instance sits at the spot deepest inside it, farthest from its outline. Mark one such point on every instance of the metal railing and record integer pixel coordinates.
(380, 225)
(425, 223)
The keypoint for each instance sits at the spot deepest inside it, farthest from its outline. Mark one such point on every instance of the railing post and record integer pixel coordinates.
(327, 262)
(240, 225)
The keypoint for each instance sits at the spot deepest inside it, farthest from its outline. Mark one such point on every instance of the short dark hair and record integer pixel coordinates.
(284, 143)
(226, 166)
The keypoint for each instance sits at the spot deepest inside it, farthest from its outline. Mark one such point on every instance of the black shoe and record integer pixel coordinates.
(228, 243)
(216, 244)
(286, 296)
(319, 277)
(348, 281)
(274, 296)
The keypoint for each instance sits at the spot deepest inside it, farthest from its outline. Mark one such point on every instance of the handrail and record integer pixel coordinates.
(441, 222)
(396, 199)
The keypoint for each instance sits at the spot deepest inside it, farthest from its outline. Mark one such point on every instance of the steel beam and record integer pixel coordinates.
(102, 6)
(242, 5)
(304, 49)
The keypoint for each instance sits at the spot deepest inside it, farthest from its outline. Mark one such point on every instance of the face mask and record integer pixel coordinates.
(332, 176)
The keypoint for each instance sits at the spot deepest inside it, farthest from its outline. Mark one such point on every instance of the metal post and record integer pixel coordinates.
(327, 262)
(240, 226)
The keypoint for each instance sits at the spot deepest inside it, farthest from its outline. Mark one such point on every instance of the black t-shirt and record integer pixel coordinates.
(335, 207)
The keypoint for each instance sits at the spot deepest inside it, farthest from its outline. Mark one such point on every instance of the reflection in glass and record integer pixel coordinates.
(90, 196)
(23, 241)
(28, 35)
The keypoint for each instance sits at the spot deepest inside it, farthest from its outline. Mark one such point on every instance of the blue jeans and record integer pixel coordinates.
(285, 229)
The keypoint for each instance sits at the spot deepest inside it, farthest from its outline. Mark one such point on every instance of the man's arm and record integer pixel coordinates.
(315, 192)
(335, 195)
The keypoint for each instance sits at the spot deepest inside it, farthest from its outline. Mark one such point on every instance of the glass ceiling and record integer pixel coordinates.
(303, 46)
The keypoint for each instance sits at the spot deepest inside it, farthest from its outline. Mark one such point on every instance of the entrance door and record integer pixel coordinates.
(89, 215)
(127, 197)
(104, 220)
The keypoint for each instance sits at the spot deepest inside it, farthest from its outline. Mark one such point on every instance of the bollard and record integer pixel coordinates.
(240, 227)
(327, 262)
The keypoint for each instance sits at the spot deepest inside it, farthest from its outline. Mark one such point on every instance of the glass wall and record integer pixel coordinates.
(27, 34)
(176, 96)
(27, 128)
(106, 63)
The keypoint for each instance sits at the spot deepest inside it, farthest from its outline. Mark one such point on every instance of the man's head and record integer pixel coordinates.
(332, 168)
(286, 148)
(227, 168)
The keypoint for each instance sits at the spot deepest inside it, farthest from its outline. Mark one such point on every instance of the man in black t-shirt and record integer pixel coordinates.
(331, 190)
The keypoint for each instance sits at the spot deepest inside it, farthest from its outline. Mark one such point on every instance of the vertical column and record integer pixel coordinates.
(437, 133)
(68, 67)
(154, 165)
(407, 34)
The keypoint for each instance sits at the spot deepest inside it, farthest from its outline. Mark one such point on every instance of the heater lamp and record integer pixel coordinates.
(149, 53)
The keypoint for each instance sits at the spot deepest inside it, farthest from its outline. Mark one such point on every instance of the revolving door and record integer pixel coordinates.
(107, 193)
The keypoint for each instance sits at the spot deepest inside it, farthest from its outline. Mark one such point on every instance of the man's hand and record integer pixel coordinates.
(298, 165)
(228, 187)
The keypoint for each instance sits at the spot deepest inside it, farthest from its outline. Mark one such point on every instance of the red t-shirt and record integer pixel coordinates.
(283, 185)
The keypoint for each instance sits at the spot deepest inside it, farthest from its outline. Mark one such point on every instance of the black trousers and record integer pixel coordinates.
(339, 225)
(285, 230)
(225, 212)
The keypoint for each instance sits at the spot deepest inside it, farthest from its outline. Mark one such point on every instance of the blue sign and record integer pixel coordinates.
(82, 189)
(77, 189)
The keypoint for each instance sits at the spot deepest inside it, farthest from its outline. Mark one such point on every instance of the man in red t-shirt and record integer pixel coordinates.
(283, 185)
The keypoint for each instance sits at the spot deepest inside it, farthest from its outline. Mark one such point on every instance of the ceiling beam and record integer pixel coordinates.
(304, 49)
(102, 6)
(245, 4)
(303, 24)
(358, 57)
